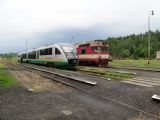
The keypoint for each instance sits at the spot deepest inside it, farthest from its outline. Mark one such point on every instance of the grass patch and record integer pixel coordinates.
(107, 74)
(6, 79)
(136, 63)
(119, 76)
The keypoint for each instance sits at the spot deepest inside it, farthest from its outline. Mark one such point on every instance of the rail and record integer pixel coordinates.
(65, 76)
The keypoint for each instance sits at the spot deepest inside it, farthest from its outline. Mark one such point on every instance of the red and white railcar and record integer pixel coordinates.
(93, 53)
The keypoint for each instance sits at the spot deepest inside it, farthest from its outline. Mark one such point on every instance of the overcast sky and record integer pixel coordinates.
(43, 22)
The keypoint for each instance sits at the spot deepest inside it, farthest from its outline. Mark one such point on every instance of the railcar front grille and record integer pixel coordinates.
(73, 61)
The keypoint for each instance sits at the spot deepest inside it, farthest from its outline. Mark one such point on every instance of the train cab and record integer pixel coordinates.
(93, 53)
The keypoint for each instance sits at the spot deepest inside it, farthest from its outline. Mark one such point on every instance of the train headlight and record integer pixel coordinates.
(67, 56)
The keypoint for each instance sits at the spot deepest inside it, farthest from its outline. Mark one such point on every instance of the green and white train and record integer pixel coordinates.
(62, 55)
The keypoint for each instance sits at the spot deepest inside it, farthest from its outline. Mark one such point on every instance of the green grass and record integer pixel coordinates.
(136, 63)
(6, 79)
(107, 74)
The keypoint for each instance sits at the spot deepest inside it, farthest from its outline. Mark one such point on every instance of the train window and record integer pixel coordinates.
(46, 52)
(57, 51)
(94, 49)
(49, 51)
(32, 55)
(42, 52)
(83, 51)
(24, 56)
(104, 49)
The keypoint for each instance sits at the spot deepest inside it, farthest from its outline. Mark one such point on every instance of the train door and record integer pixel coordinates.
(57, 53)
(58, 57)
(53, 53)
(37, 54)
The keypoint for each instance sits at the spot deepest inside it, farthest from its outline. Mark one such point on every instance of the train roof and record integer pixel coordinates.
(98, 42)
(48, 46)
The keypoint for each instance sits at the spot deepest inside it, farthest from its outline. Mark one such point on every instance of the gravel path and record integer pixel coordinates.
(110, 100)
(19, 104)
(133, 96)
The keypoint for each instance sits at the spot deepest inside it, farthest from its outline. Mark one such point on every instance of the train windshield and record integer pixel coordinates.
(104, 49)
(100, 49)
(70, 51)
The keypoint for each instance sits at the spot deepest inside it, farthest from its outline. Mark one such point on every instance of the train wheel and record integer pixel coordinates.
(106, 64)
(99, 64)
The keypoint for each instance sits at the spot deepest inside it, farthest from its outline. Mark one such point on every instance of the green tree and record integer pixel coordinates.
(134, 46)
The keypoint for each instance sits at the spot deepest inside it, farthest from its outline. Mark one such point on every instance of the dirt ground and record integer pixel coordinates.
(33, 81)
(38, 83)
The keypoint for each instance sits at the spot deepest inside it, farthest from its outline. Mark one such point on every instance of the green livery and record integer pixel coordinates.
(44, 62)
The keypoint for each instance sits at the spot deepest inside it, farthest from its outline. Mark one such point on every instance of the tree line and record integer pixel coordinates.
(8, 55)
(134, 46)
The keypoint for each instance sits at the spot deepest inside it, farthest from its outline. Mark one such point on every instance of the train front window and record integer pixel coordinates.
(69, 51)
(96, 49)
(104, 49)
(99, 49)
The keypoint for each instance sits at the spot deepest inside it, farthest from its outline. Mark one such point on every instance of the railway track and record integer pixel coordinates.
(65, 76)
(79, 84)
(61, 78)
(138, 69)
(126, 68)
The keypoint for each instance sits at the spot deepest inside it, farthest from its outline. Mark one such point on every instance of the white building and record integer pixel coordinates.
(158, 54)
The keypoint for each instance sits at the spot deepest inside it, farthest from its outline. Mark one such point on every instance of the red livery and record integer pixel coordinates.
(93, 52)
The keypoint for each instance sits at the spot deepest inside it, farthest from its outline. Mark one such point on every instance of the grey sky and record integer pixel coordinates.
(49, 21)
